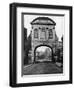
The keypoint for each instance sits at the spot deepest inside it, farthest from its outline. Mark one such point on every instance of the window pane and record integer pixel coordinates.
(43, 34)
(36, 33)
(50, 34)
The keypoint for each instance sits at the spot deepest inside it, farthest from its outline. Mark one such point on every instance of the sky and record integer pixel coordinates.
(59, 20)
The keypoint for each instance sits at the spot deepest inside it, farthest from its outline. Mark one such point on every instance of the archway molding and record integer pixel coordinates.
(40, 46)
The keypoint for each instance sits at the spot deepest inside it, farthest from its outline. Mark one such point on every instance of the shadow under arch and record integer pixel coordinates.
(40, 46)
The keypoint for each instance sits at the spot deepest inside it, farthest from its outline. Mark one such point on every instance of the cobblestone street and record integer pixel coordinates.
(42, 68)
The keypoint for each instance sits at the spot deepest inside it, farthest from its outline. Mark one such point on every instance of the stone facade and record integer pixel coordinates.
(43, 33)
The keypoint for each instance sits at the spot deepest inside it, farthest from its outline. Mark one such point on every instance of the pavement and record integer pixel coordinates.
(42, 68)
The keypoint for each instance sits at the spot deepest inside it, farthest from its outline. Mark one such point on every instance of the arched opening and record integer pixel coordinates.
(43, 53)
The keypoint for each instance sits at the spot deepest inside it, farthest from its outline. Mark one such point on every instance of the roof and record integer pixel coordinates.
(43, 21)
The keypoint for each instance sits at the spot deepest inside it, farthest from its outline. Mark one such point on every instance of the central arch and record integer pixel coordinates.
(45, 46)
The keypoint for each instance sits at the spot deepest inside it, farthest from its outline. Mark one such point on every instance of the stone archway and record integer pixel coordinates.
(41, 46)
